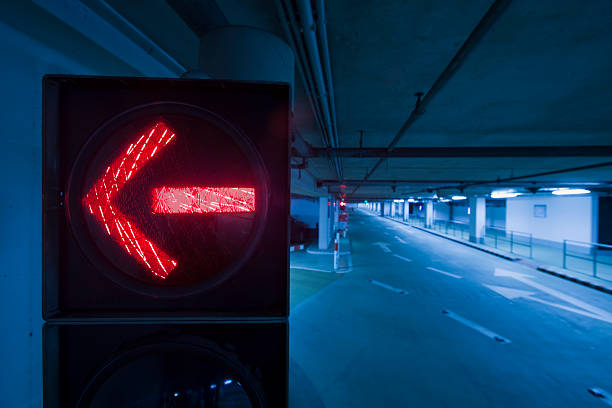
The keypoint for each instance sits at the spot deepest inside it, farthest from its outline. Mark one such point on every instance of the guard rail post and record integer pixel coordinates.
(594, 261)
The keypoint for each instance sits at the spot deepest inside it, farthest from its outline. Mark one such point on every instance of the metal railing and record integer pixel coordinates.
(584, 257)
(596, 254)
(454, 228)
(513, 240)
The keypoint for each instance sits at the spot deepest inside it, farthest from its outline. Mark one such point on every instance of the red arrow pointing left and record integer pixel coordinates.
(117, 225)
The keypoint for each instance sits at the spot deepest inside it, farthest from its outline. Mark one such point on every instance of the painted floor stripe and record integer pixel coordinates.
(445, 273)
(603, 395)
(307, 268)
(315, 252)
(476, 326)
(400, 239)
(391, 288)
(402, 258)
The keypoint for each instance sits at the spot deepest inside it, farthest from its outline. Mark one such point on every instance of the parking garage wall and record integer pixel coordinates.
(305, 210)
(441, 211)
(495, 215)
(460, 212)
(552, 218)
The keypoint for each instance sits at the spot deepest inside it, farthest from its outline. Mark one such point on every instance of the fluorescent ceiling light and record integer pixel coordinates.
(458, 197)
(398, 201)
(504, 194)
(444, 200)
(571, 191)
(411, 200)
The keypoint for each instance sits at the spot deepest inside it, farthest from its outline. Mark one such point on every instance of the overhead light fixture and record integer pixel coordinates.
(504, 194)
(411, 200)
(444, 200)
(571, 191)
(458, 197)
(398, 201)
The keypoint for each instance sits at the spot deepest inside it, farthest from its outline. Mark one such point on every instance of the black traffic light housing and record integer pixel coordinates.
(228, 133)
(154, 364)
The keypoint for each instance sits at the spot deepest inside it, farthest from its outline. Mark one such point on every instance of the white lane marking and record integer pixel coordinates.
(308, 268)
(511, 293)
(383, 246)
(391, 288)
(402, 258)
(452, 275)
(603, 395)
(400, 240)
(315, 252)
(472, 325)
(595, 312)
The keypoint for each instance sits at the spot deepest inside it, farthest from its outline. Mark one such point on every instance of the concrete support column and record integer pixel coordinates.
(406, 210)
(392, 209)
(478, 217)
(429, 213)
(382, 208)
(324, 230)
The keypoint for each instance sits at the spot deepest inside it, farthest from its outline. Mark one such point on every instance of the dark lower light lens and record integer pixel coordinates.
(172, 379)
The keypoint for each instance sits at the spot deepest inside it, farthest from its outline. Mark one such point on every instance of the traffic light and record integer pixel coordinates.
(165, 197)
(156, 364)
(165, 242)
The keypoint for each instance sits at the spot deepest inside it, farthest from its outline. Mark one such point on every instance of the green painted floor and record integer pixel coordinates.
(305, 283)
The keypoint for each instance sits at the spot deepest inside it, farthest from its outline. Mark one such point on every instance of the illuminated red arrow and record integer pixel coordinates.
(190, 200)
(118, 226)
(166, 200)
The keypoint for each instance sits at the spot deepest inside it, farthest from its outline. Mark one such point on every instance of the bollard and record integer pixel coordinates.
(336, 244)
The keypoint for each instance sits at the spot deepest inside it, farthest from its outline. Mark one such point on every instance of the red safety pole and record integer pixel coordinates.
(336, 244)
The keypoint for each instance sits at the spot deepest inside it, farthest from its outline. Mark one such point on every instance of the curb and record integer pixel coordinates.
(575, 280)
(518, 260)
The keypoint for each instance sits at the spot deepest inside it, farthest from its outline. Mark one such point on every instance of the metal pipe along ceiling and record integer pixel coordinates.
(492, 15)
(316, 74)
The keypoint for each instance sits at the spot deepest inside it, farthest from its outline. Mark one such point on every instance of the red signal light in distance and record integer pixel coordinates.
(199, 200)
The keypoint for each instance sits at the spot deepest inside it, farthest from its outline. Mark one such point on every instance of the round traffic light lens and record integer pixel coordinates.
(168, 375)
(171, 196)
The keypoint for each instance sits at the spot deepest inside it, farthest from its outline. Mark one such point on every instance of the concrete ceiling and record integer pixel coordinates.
(540, 76)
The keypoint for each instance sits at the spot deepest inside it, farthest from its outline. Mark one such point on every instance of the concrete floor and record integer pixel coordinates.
(378, 337)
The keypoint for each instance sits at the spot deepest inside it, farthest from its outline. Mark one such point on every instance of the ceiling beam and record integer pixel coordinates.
(468, 152)
(433, 183)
